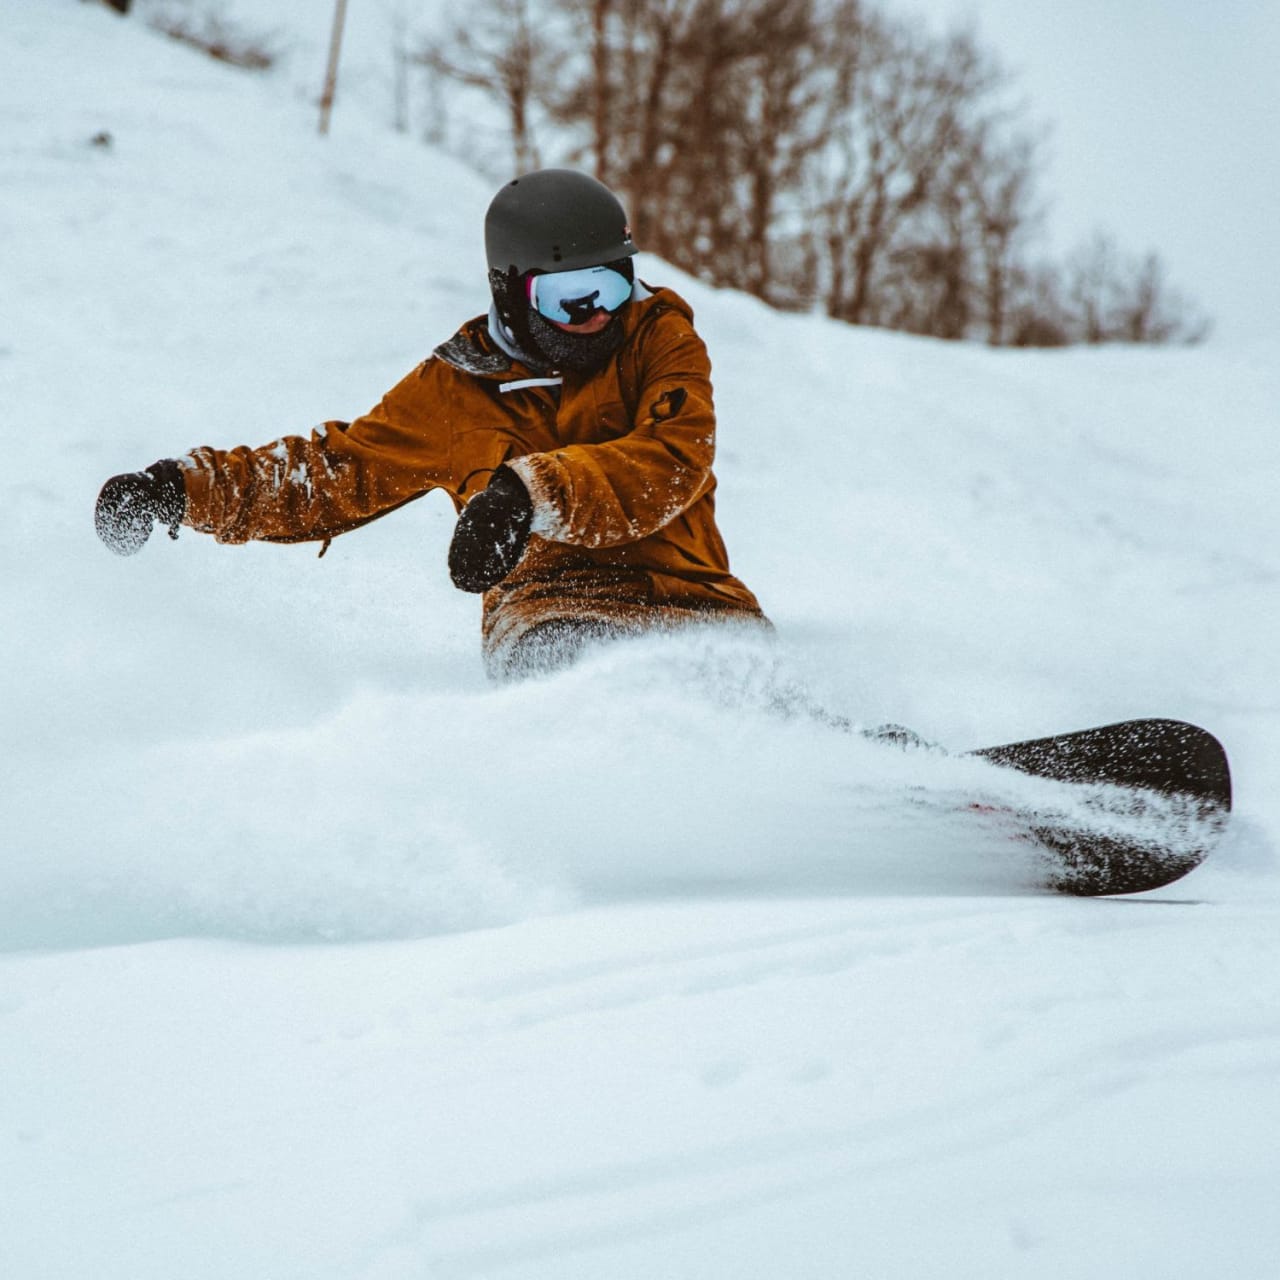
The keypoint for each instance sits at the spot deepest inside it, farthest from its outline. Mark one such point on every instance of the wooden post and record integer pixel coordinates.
(331, 75)
(400, 69)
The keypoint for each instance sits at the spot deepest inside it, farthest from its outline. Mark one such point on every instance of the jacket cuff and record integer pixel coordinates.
(535, 473)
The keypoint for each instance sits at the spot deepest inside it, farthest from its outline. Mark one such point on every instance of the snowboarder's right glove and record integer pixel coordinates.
(491, 534)
(129, 505)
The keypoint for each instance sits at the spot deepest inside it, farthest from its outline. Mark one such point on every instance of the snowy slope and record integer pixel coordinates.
(319, 956)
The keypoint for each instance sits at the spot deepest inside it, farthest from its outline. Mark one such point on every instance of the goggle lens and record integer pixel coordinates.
(571, 297)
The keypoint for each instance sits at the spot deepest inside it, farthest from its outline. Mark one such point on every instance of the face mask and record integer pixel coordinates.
(579, 352)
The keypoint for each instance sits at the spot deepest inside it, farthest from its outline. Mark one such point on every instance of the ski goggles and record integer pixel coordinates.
(570, 297)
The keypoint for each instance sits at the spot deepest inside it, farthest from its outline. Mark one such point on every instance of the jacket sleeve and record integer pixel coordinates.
(619, 491)
(341, 475)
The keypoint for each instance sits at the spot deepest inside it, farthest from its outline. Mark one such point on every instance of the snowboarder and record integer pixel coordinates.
(572, 426)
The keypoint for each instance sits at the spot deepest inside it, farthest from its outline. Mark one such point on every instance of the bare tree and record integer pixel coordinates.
(1091, 276)
(602, 97)
(498, 48)
(1114, 297)
(1036, 313)
(897, 126)
(648, 86)
(1152, 311)
(729, 138)
(999, 182)
(780, 126)
(697, 111)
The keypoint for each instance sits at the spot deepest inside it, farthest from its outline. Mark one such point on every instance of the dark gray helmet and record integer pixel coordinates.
(555, 220)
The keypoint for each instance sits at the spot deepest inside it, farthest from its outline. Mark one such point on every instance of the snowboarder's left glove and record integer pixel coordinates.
(491, 534)
(130, 505)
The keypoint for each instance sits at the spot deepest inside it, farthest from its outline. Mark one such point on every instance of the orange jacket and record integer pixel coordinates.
(618, 464)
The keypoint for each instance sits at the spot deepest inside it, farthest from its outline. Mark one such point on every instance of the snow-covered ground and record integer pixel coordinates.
(322, 957)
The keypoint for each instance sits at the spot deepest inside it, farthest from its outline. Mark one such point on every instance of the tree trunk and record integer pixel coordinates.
(600, 71)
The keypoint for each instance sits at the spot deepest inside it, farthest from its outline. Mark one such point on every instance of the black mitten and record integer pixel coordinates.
(491, 534)
(129, 505)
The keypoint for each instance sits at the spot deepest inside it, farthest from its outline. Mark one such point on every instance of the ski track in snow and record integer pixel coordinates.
(321, 957)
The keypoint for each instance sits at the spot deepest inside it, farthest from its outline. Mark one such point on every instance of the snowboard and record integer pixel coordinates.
(1161, 790)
